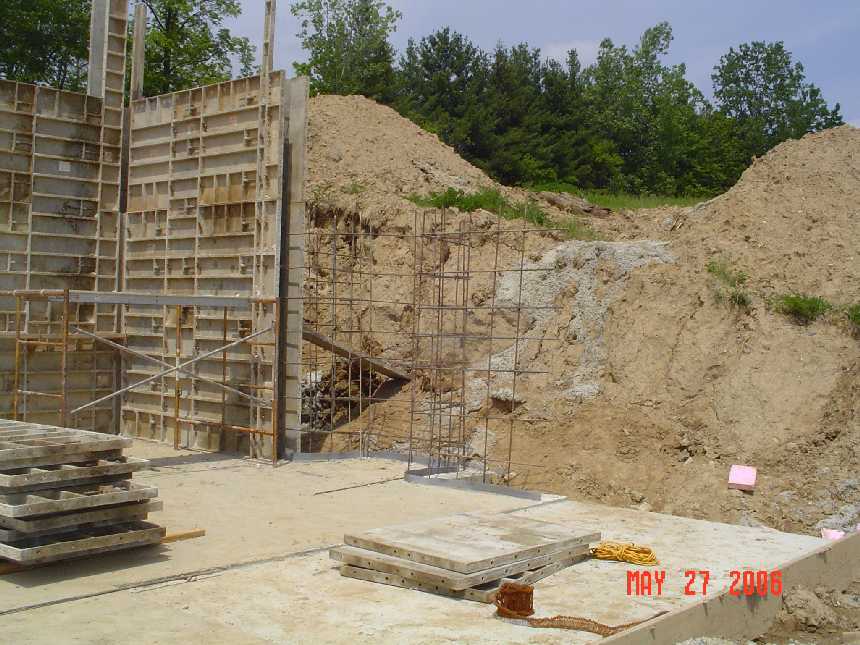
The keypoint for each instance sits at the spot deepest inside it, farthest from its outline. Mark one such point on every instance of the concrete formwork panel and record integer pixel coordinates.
(59, 226)
(205, 207)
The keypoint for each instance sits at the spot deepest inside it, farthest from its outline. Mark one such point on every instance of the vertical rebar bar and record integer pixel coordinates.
(17, 357)
(276, 330)
(333, 317)
(516, 355)
(224, 378)
(177, 387)
(490, 353)
(417, 263)
(64, 362)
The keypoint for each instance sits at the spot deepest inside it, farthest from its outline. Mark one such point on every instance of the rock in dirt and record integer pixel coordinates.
(807, 611)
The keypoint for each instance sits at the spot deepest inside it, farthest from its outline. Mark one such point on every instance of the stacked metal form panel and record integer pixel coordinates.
(68, 493)
(205, 207)
(464, 556)
(60, 156)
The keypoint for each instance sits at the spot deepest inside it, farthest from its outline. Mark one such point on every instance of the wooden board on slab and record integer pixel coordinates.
(471, 542)
(64, 500)
(82, 543)
(19, 528)
(436, 576)
(14, 480)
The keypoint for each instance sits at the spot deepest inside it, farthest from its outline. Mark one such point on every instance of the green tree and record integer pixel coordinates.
(187, 46)
(766, 93)
(647, 110)
(45, 42)
(348, 46)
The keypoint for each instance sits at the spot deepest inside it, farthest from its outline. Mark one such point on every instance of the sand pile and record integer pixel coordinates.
(657, 386)
(691, 384)
(793, 220)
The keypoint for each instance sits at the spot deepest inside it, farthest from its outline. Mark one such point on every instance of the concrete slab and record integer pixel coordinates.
(250, 512)
(286, 519)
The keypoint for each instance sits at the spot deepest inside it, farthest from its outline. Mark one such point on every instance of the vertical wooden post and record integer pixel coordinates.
(99, 34)
(138, 52)
(15, 394)
(64, 362)
(222, 442)
(276, 327)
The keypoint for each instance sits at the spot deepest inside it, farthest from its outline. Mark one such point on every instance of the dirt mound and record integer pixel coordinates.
(793, 220)
(691, 383)
(366, 157)
(660, 383)
(358, 148)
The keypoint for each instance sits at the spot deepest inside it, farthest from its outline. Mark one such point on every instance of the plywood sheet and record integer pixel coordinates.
(472, 542)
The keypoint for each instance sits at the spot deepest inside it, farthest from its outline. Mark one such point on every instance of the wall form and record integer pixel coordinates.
(204, 218)
(59, 224)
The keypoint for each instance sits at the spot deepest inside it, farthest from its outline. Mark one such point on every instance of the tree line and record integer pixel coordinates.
(628, 122)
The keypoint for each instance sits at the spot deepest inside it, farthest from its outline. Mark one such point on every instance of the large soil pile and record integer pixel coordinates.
(692, 384)
(658, 385)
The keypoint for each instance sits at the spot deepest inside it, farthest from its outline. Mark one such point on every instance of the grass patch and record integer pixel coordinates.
(854, 315)
(804, 309)
(619, 201)
(491, 200)
(354, 188)
(721, 270)
(733, 281)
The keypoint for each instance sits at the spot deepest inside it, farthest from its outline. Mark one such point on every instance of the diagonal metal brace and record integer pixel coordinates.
(177, 368)
(132, 352)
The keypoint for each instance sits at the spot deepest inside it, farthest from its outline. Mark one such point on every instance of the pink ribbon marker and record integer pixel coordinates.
(832, 534)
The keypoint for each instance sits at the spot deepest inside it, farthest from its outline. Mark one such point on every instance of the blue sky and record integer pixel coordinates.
(824, 35)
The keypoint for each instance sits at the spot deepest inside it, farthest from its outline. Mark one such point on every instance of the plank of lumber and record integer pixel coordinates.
(179, 537)
(343, 351)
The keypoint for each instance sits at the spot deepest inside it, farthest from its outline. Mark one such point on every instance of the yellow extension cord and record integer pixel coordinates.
(641, 555)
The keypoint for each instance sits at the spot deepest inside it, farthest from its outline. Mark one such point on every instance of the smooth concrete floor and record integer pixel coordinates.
(262, 574)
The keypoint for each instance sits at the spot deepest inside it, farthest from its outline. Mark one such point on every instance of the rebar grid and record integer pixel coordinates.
(445, 338)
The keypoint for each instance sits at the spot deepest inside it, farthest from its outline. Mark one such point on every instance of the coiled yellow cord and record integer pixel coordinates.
(621, 552)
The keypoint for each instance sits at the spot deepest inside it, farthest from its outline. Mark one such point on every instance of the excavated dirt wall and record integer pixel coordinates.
(658, 384)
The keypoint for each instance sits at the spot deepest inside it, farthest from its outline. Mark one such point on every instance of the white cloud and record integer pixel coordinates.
(587, 50)
(855, 123)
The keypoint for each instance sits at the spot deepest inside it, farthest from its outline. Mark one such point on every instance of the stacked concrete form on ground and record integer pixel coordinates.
(60, 156)
(465, 556)
(68, 493)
